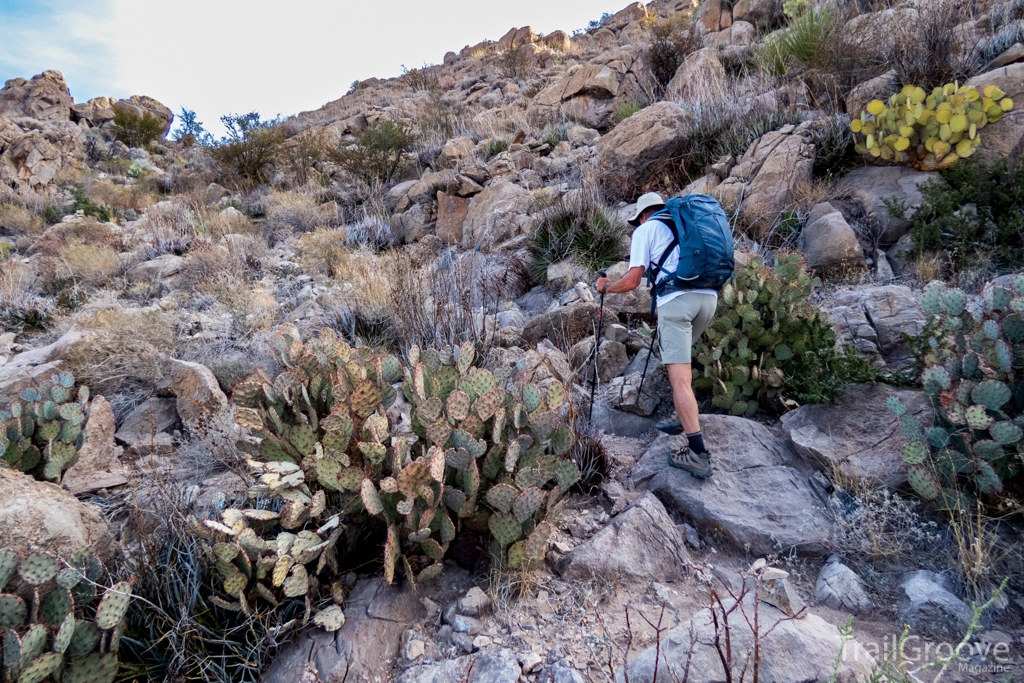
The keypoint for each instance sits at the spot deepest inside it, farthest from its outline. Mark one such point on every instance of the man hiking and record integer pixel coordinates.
(683, 311)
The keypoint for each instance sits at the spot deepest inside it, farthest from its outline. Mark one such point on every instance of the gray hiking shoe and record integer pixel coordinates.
(671, 427)
(697, 465)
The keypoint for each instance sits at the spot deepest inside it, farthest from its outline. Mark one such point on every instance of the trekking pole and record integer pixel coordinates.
(643, 375)
(597, 349)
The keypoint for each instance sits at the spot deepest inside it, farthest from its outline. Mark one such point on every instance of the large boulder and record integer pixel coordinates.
(496, 216)
(30, 163)
(828, 242)
(789, 650)
(926, 598)
(363, 649)
(204, 410)
(874, 321)
(94, 113)
(590, 93)
(1005, 138)
(701, 77)
(641, 146)
(565, 326)
(776, 165)
(870, 185)
(44, 97)
(856, 435)
(759, 496)
(41, 516)
(641, 543)
(99, 465)
(451, 216)
(877, 88)
(840, 588)
(141, 105)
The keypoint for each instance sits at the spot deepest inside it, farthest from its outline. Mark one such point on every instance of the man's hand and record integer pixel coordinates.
(627, 284)
(602, 282)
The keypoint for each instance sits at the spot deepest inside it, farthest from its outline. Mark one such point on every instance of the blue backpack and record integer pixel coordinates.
(704, 238)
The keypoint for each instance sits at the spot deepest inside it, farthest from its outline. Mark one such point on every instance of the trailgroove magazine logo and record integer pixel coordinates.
(993, 657)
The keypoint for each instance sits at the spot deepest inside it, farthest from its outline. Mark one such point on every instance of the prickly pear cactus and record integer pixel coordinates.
(763, 334)
(42, 432)
(930, 131)
(53, 627)
(322, 443)
(974, 379)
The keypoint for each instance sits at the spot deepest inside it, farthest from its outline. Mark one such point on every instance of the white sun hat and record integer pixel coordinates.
(647, 201)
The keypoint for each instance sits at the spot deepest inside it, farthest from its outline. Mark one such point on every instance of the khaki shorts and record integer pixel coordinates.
(681, 321)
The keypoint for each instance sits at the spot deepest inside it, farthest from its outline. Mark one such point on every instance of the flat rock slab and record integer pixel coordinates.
(640, 543)
(759, 496)
(493, 666)
(856, 435)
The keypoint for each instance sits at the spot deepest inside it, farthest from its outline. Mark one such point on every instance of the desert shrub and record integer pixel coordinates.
(292, 213)
(356, 474)
(494, 147)
(833, 147)
(583, 230)
(379, 152)
(251, 148)
(672, 40)
(88, 265)
(120, 199)
(18, 220)
(928, 51)
(125, 354)
(973, 447)
(190, 130)
(304, 151)
(373, 230)
(555, 133)
(21, 310)
(87, 206)
(768, 348)
(134, 129)
(720, 131)
(514, 63)
(623, 110)
(806, 39)
(442, 112)
(323, 251)
(977, 214)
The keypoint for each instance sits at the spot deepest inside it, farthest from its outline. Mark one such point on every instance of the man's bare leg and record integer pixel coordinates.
(680, 376)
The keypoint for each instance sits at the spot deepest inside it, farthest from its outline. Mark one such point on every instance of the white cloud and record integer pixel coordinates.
(221, 56)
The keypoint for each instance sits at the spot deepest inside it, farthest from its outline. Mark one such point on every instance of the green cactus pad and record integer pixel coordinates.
(41, 667)
(501, 497)
(556, 396)
(391, 369)
(914, 453)
(371, 499)
(543, 424)
(113, 606)
(895, 406)
(953, 301)
(992, 394)
(432, 549)
(95, 668)
(330, 619)
(438, 432)
(11, 653)
(458, 405)
(935, 379)
(454, 498)
(567, 474)
(38, 568)
(537, 542)
(977, 418)
(56, 606)
(531, 397)
(562, 440)
(937, 437)
(12, 611)
(8, 565)
(430, 573)
(1005, 433)
(488, 404)
(504, 528)
(85, 639)
(428, 411)
(923, 482)
(527, 503)
(458, 459)
(467, 353)
(66, 631)
(988, 450)
(297, 583)
(911, 427)
(930, 298)
(33, 643)
(374, 452)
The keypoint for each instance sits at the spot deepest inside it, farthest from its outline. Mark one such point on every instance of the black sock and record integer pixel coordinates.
(696, 441)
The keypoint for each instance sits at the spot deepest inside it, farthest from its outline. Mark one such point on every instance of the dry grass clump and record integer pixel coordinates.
(18, 220)
(83, 253)
(929, 52)
(252, 307)
(123, 355)
(174, 227)
(323, 251)
(290, 213)
(120, 198)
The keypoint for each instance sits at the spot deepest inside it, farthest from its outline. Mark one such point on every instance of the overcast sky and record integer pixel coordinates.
(283, 57)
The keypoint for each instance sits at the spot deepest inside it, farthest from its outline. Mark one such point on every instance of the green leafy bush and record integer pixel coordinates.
(672, 40)
(768, 348)
(495, 147)
(134, 129)
(492, 458)
(623, 110)
(974, 379)
(82, 203)
(379, 152)
(976, 215)
(584, 230)
(248, 152)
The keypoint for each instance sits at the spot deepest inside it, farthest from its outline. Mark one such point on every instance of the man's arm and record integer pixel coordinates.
(629, 282)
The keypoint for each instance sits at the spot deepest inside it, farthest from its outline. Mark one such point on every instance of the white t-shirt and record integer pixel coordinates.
(650, 241)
